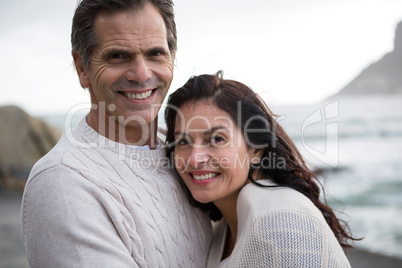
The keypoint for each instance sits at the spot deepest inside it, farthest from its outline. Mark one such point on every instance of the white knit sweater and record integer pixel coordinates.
(91, 202)
(277, 228)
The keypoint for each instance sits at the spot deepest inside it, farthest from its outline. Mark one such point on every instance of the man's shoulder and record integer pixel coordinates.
(63, 154)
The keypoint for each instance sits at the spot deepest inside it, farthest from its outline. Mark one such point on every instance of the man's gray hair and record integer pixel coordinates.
(83, 36)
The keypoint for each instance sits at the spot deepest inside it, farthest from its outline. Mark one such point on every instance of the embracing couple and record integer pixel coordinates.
(222, 186)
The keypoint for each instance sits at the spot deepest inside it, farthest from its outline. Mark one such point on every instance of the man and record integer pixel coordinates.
(104, 197)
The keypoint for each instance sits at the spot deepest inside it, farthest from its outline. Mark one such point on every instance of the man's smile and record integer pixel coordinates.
(138, 96)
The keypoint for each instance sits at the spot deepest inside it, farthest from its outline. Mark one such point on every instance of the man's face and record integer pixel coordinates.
(131, 68)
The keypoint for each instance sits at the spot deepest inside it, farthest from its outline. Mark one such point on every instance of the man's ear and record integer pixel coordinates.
(81, 71)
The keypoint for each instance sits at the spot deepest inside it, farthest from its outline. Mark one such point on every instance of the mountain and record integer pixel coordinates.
(381, 77)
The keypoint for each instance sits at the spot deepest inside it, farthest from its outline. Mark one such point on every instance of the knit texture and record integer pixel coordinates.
(91, 202)
(278, 227)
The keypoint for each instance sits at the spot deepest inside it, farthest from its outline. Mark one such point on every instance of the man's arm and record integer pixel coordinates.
(67, 221)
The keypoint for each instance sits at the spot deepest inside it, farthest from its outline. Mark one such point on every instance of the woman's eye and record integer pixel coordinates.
(182, 142)
(216, 139)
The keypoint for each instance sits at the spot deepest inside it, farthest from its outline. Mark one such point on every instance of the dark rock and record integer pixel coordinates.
(382, 77)
(23, 141)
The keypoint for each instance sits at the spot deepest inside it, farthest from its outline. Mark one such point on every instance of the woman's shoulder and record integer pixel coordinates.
(255, 200)
(283, 224)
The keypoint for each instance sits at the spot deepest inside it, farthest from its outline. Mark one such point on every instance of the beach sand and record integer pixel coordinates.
(363, 259)
(12, 253)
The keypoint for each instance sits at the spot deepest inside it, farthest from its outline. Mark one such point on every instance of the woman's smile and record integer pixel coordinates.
(203, 177)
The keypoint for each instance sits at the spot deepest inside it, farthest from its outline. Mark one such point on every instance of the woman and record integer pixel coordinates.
(236, 161)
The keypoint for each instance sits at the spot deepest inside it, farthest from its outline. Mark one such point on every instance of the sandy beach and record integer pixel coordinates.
(12, 253)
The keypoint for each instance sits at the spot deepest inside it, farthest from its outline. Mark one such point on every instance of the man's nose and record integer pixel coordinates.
(139, 71)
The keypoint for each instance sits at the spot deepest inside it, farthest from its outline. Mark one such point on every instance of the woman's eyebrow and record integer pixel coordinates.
(208, 131)
(214, 129)
(179, 133)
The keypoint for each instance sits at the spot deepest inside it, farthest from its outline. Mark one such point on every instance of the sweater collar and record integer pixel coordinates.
(86, 137)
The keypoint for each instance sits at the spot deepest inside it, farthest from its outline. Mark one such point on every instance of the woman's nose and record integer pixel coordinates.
(198, 156)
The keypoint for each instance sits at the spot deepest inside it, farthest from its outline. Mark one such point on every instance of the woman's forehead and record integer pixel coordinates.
(202, 115)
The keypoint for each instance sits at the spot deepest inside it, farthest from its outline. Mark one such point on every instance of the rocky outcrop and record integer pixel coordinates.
(382, 77)
(23, 140)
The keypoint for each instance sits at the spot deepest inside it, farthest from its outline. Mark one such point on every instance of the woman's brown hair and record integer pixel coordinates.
(261, 131)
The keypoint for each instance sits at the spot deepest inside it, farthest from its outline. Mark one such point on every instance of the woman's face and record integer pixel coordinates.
(211, 154)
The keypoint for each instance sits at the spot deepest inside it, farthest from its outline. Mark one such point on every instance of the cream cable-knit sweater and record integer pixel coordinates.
(277, 227)
(91, 202)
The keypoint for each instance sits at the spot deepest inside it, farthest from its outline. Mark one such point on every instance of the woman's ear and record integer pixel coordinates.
(255, 155)
(81, 71)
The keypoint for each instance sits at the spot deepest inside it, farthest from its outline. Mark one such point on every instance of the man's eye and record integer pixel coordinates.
(156, 53)
(116, 56)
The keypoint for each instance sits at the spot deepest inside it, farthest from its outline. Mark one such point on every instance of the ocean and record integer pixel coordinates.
(357, 142)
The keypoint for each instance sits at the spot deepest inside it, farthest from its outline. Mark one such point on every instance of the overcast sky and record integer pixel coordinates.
(289, 51)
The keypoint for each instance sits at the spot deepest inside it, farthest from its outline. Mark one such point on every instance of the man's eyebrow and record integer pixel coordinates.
(128, 52)
(158, 49)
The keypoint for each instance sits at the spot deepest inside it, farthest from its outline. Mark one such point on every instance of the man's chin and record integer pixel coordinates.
(137, 120)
